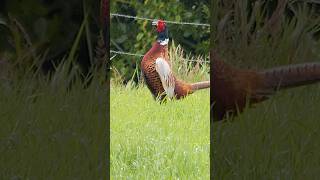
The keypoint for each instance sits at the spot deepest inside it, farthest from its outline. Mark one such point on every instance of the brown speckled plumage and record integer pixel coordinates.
(152, 78)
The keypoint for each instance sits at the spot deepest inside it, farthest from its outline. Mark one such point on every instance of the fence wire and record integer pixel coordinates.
(149, 19)
(140, 55)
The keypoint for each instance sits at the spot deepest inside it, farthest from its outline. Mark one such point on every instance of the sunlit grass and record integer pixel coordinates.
(153, 141)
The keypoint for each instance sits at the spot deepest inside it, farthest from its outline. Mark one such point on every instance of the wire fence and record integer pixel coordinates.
(126, 53)
(149, 19)
(140, 55)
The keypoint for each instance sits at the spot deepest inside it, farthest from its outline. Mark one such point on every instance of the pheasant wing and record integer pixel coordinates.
(166, 76)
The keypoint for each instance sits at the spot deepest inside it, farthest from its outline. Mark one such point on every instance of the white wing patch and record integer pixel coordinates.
(166, 76)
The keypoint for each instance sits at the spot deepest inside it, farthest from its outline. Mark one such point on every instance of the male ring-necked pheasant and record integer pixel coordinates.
(233, 87)
(157, 72)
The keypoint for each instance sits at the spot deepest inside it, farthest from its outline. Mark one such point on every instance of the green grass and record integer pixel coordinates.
(153, 141)
(278, 139)
(48, 132)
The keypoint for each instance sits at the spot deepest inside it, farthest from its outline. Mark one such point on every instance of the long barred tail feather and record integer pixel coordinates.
(292, 75)
(200, 85)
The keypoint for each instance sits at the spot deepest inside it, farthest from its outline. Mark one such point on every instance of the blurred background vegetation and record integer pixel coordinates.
(258, 33)
(41, 33)
(277, 139)
(137, 36)
(53, 90)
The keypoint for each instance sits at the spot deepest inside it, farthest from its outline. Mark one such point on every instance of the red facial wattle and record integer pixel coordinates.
(161, 26)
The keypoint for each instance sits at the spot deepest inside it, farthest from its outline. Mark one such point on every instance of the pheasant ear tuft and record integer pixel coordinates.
(161, 26)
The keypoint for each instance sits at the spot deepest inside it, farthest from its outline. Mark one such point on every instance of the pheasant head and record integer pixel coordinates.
(162, 30)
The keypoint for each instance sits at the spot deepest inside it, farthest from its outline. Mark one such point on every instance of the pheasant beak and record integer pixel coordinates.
(155, 22)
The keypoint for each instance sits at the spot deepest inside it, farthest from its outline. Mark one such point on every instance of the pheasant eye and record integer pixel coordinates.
(161, 26)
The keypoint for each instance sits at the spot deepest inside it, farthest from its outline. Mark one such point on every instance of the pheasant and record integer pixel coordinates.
(233, 88)
(157, 71)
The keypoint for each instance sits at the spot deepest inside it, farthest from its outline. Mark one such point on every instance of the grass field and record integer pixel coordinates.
(279, 139)
(50, 132)
(153, 141)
